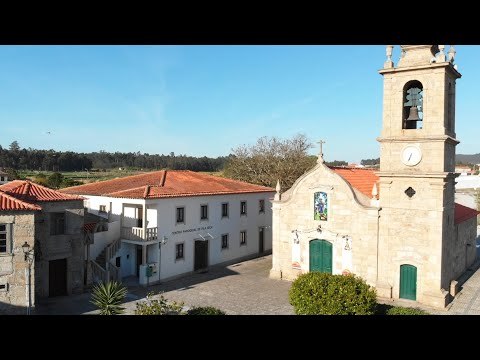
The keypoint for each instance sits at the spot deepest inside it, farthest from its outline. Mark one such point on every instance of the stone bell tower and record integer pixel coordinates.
(417, 172)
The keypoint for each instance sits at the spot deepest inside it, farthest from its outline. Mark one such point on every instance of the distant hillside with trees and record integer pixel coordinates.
(50, 160)
(468, 159)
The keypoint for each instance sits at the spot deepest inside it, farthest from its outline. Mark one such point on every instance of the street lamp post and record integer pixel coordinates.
(29, 260)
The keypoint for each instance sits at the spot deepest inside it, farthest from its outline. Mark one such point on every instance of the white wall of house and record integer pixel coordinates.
(161, 213)
(216, 226)
(104, 238)
(127, 254)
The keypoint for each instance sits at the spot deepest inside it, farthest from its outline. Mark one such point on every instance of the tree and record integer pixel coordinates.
(316, 293)
(366, 162)
(271, 159)
(108, 297)
(14, 146)
(55, 180)
(336, 163)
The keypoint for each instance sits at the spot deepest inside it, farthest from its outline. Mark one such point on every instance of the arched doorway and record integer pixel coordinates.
(321, 256)
(408, 282)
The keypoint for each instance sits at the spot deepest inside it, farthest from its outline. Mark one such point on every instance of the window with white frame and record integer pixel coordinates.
(243, 237)
(224, 241)
(102, 208)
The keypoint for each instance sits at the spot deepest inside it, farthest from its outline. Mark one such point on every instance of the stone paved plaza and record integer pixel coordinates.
(242, 289)
(239, 289)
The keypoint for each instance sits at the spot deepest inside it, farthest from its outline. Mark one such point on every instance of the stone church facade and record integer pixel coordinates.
(398, 228)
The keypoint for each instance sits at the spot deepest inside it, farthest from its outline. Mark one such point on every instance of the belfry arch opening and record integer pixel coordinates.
(413, 105)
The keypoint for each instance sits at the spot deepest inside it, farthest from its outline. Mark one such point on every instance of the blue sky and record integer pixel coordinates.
(204, 100)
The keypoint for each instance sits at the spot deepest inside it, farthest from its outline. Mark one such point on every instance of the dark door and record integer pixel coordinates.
(201, 255)
(408, 282)
(321, 256)
(139, 258)
(57, 277)
(261, 240)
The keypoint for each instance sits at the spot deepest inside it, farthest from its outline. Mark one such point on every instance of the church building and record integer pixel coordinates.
(398, 228)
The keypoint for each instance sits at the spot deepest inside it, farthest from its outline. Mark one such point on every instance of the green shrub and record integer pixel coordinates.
(108, 297)
(317, 293)
(159, 306)
(205, 310)
(397, 310)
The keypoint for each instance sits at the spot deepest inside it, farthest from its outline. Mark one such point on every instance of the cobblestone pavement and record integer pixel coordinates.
(467, 302)
(239, 289)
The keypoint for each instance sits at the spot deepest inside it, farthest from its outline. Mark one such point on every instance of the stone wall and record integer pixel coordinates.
(68, 246)
(13, 267)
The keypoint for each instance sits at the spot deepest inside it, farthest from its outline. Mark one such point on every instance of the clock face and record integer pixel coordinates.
(411, 155)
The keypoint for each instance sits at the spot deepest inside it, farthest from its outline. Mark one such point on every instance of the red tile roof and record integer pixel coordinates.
(9, 203)
(31, 192)
(166, 183)
(361, 179)
(463, 213)
(364, 179)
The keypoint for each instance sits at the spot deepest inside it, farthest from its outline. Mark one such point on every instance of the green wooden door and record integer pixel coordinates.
(408, 282)
(321, 256)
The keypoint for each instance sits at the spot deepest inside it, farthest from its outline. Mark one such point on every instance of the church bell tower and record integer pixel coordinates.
(417, 172)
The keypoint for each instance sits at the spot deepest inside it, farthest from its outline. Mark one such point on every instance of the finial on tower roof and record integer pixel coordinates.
(277, 189)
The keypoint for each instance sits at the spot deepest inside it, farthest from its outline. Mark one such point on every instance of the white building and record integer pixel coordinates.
(168, 223)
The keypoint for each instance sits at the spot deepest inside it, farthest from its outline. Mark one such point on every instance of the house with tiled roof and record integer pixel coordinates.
(41, 245)
(3, 177)
(397, 227)
(168, 223)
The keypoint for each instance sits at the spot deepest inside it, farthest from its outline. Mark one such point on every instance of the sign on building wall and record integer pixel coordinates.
(320, 211)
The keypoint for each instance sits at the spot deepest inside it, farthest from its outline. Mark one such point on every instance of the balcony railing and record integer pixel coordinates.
(137, 234)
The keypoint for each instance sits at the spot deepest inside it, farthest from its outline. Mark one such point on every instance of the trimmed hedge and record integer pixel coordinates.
(397, 310)
(316, 293)
(205, 310)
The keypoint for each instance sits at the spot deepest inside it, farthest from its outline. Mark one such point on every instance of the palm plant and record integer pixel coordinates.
(108, 297)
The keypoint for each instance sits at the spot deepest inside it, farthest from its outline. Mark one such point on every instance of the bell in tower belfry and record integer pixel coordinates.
(412, 106)
(411, 121)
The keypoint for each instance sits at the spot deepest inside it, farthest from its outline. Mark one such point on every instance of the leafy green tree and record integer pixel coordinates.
(12, 174)
(55, 180)
(316, 293)
(271, 159)
(108, 297)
